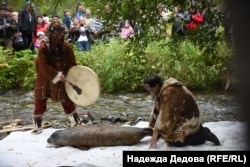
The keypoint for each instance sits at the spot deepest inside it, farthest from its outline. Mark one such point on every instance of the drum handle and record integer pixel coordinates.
(75, 87)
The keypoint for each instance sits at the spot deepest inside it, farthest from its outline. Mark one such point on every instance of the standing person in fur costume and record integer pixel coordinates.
(55, 58)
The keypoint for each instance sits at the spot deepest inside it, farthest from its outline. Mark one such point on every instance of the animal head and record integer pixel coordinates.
(55, 138)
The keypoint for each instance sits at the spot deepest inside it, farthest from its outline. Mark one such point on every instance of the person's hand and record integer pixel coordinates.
(63, 78)
(152, 144)
(181, 16)
(154, 139)
(96, 33)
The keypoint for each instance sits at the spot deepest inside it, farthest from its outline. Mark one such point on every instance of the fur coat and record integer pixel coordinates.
(47, 67)
(176, 114)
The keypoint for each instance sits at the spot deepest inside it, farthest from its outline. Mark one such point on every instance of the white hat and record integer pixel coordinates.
(28, 3)
(45, 18)
(40, 33)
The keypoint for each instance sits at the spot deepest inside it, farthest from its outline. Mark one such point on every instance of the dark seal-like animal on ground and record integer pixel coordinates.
(86, 136)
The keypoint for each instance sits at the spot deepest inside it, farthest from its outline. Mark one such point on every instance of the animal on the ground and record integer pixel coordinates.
(86, 136)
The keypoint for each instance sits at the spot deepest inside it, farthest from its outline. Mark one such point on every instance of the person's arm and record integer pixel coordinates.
(186, 17)
(20, 20)
(43, 62)
(154, 139)
(167, 118)
(71, 59)
(153, 116)
(10, 26)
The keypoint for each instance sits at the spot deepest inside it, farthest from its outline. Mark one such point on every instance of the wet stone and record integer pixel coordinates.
(113, 109)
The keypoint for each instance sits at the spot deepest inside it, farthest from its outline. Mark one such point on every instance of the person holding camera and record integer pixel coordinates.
(8, 27)
(83, 43)
(73, 31)
(179, 19)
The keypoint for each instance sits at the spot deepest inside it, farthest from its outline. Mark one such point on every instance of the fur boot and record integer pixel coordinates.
(74, 119)
(38, 124)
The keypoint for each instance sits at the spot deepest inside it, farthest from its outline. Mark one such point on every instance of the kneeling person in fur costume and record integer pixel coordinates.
(175, 116)
(55, 58)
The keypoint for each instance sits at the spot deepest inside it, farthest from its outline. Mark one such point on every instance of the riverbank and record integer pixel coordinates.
(16, 108)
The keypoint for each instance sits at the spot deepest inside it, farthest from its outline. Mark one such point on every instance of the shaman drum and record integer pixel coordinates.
(86, 81)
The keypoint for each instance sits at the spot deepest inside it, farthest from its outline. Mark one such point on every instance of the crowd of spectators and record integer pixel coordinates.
(188, 21)
(8, 26)
(84, 29)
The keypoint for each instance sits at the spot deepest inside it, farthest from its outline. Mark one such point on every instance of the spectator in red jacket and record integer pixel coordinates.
(41, 26)
(196, 19)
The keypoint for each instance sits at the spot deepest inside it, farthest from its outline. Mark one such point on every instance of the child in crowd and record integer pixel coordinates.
(41, 37)
(127, 31)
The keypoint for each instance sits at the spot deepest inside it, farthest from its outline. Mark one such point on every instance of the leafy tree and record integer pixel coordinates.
(182, 63)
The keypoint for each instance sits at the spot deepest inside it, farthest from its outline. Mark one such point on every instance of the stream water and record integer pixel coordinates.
(17, 106)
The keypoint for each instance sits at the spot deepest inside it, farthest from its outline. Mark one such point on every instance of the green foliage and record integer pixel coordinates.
(197, 60)
(185, 61)
(120, 70)
(17, 70)
(117, 69)
(124, 71)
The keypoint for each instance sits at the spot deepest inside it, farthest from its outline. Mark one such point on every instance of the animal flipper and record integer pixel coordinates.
(84, 148)
(148, 131)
